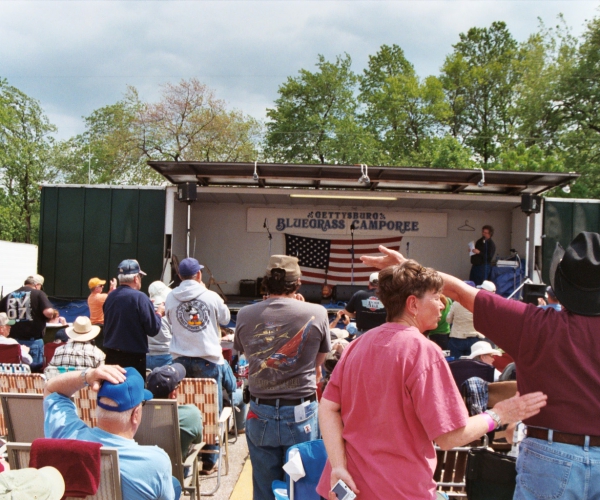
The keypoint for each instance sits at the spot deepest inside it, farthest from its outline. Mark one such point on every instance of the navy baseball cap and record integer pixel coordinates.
(189, 267)
(164, 379)
(130, 266)
(127, 394)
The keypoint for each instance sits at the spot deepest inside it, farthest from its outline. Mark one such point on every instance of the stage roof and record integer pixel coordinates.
(324, 178)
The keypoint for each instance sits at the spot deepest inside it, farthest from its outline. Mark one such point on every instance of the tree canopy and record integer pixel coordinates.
(497, 103)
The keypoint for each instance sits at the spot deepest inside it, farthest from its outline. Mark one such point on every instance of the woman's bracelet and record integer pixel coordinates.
(495, 417)
(490, 421)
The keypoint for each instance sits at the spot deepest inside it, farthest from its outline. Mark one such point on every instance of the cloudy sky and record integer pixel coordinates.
(76, 56)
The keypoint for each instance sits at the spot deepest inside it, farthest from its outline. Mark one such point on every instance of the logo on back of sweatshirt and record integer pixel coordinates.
(193, 315)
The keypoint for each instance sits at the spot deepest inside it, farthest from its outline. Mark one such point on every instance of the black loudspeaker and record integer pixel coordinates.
(532, 292)
(259, 289)
(248, 288)
(186, 191)
(531, 203)
(311, 293)
(343, 293)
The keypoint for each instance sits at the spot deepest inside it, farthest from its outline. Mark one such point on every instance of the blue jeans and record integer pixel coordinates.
(461, 347)
(270, 431)
(238, 404)
(158, 360)
(36, 351)
(557, 471)
(176, 487)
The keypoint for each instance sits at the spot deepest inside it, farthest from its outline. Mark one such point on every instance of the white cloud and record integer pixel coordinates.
(78, 56)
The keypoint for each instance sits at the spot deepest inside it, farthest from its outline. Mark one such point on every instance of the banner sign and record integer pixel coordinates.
(338, 221)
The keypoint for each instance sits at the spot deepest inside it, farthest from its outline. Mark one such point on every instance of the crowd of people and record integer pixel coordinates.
(390, 394)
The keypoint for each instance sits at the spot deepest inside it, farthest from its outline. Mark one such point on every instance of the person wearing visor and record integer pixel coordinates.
(146, 472)
(129, 319)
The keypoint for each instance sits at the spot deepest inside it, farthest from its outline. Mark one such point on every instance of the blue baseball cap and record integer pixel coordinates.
(189, 267)
(127, 394)
(130, 266)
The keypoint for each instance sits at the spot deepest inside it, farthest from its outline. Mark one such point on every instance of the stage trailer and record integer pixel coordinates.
(225, 216)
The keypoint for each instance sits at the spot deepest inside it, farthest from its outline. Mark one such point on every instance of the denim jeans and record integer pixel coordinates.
(557, 471)
(36, 351)
(238, 403)
(158, 360)
(270, 431)
(461, 347)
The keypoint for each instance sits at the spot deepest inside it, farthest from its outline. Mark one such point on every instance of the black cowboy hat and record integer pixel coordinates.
(575, 274)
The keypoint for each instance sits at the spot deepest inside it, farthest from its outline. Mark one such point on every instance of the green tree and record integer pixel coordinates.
(187, 124)
(401, 111)
(479, 79)
(577, 102)
(314, 118)
(25, 145)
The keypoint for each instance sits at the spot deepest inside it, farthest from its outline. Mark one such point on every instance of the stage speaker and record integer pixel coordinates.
(531, 293)
(186, 191)
(312, 293)
(248, 288)
(343, 293)
(531, 203)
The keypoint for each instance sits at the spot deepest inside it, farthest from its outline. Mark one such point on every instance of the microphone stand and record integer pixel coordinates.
(266, 226)
(351, 250)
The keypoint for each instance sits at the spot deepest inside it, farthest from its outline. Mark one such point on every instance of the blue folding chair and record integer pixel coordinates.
(313, 457)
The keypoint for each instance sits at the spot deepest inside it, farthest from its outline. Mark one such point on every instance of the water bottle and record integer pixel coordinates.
(242, 366)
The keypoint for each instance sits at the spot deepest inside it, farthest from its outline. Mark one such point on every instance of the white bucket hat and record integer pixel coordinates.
(83, 330)
(482, 347)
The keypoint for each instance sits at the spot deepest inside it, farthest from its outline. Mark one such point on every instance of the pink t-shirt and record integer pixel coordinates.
(396, 394)
(555, 352)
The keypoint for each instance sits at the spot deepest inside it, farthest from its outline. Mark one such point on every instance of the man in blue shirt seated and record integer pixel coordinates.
(145, 470)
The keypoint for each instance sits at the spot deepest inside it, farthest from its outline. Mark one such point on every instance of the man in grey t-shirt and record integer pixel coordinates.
(285, 341)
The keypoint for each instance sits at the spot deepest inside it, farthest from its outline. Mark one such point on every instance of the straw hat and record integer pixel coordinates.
(83, 330)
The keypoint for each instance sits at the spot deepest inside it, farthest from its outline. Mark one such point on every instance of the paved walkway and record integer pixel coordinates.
(237, 485)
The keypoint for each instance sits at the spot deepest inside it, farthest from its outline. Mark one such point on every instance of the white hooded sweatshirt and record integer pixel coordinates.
(195, 314)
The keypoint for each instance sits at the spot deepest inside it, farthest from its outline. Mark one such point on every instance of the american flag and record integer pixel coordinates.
(316, 256)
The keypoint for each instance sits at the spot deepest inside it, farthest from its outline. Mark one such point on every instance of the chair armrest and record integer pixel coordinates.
(225, 415)
(193, 454)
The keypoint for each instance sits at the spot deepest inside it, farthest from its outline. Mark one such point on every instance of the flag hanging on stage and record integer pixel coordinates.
(317, 256)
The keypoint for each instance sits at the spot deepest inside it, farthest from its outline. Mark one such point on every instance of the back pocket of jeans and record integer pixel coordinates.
(544, 477)
(255, 430)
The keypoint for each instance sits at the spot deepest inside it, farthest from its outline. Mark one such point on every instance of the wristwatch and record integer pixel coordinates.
(83, 374)
(495, 417)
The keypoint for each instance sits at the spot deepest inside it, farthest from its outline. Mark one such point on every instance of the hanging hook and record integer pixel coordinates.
(255, 175)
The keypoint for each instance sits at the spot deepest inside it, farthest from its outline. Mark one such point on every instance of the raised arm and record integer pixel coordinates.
(453, 287)
(69, 383)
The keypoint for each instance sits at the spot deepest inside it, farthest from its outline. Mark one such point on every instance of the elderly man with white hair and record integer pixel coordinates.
(146, 472)
(129, 319)
(30, 308)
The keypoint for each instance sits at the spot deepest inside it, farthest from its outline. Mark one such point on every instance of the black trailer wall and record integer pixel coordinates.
(87, 231)
(563, 220)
